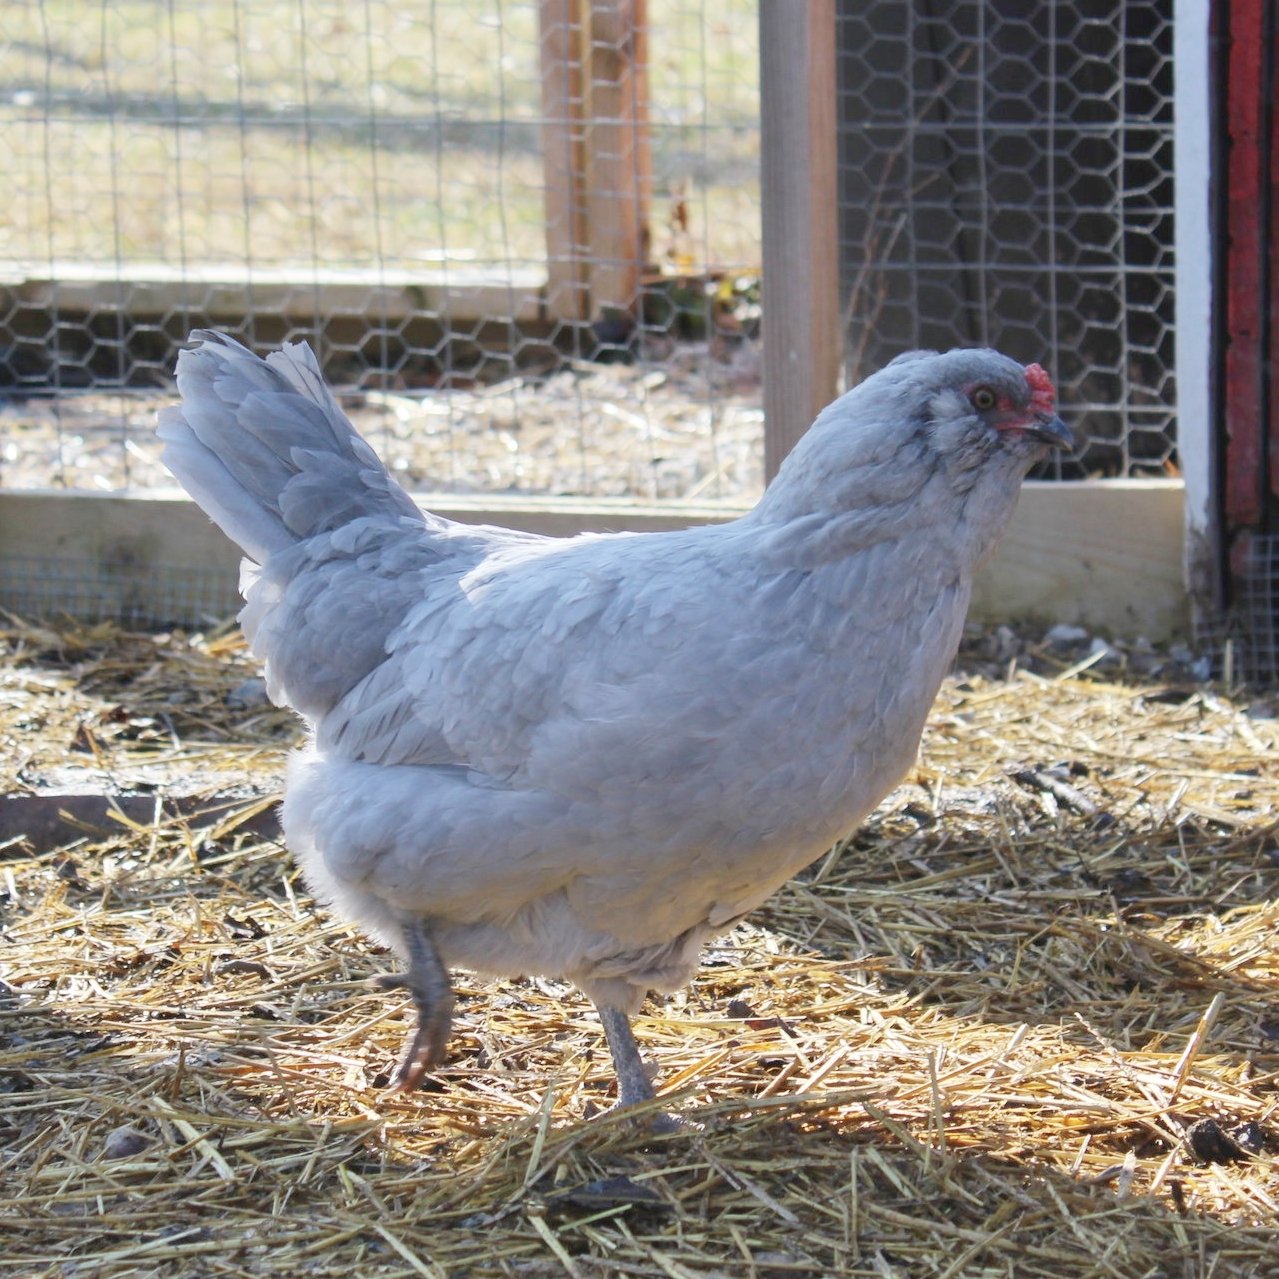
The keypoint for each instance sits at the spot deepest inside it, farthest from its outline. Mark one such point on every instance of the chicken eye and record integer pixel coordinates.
(984, 399)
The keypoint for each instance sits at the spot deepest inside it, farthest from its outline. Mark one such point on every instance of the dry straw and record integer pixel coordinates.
(1023, 1024)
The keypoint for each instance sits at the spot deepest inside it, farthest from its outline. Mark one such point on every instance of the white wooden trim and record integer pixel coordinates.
(1192, 167)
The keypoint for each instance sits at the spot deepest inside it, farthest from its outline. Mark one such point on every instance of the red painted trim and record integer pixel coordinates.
(1272, 293)
(1245, 267)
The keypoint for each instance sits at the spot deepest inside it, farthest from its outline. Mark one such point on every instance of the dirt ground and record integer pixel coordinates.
(684, 422)
(1024, 1023)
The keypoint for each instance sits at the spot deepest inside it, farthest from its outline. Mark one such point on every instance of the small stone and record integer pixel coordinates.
(1106, 654)
(1212, 1144)
(1064, 635)
(124, 1142)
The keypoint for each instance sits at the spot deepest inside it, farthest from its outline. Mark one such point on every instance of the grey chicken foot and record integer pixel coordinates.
(427, 980)
(634, 1084)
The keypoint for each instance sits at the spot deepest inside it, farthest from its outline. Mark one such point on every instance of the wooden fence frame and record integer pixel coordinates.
(1105, 554)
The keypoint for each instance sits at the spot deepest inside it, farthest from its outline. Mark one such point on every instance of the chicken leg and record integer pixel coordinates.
(427, 980)
(633, 1083)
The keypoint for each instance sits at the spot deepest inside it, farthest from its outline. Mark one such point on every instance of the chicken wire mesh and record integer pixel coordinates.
(376, 180)
(1006, 179)
(379, 180)
(129, 594)
(1242, 640)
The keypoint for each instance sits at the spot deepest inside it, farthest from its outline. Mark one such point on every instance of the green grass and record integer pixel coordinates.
(288, 133)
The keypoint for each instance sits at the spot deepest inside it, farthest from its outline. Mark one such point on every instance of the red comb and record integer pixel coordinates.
(1043, 395)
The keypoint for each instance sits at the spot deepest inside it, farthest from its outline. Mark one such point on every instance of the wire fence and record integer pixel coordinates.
(431, 195)
(1007, 180)
(524, 237)
(1242, 642)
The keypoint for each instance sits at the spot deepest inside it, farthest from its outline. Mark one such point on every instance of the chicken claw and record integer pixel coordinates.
(634, 1079)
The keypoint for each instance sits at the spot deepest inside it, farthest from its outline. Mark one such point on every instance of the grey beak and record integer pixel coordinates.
(1052, 430)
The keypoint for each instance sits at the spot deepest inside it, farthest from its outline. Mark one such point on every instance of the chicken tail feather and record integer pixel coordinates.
(265, 449)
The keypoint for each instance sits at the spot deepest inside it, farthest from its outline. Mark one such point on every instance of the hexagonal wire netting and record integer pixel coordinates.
(1006, 180)
(376, 179)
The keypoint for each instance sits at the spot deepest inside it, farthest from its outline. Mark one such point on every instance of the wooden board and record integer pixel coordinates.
(229, 293)
(619, 174)
(1106, 554)
(1244, 374)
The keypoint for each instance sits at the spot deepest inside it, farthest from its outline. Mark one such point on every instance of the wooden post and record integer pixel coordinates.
(596, 154)
(618, 164)
(1244, 371)
(563, 161)
(802, 341)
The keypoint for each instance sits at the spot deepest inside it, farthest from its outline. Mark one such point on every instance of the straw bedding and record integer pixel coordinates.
(1023, 1024)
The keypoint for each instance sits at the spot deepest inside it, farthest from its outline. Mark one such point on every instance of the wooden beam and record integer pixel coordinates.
(802, 341)
(1244, 372)
(51, 819)
(1270, 428)
(1105, 554)
(1101, 553)
(230, 292)
(563, 161)
(596, 155)
(619, 175)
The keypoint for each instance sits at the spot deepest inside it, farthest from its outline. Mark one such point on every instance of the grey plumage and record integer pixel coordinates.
(582, 757)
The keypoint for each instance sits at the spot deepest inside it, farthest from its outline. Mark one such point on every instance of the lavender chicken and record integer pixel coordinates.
(583, 757)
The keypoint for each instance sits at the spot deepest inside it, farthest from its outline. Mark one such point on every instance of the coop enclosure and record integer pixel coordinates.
(531, 244)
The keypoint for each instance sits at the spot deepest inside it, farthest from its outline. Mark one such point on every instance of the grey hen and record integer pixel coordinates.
(583, 757)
